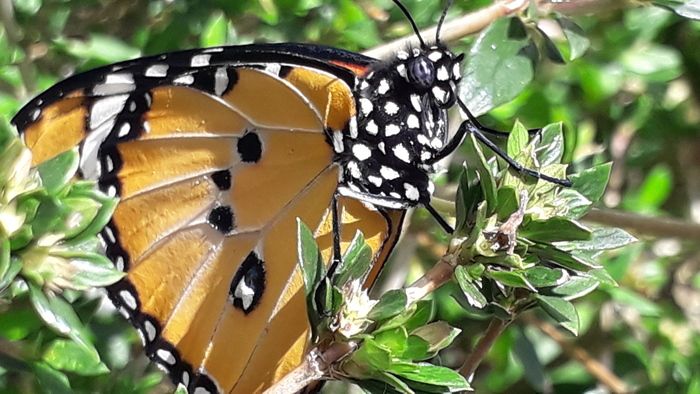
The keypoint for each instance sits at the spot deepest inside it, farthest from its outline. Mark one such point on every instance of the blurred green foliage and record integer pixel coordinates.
(632, 98)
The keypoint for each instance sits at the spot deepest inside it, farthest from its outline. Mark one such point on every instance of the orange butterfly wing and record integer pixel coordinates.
(213, 167)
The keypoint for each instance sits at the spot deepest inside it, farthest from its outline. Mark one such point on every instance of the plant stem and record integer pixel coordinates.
(494, 330)
(314, 367)
(454, 29)
(593, 366)
(638, 224)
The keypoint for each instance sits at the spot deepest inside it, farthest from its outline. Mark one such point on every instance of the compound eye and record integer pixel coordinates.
(421, 72)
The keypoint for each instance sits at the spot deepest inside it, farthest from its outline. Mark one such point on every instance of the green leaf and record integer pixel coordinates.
(91, 269)
(12, 271)
(576, 286)
(60, 316)
(430, 374)
(572, 204)
(550, 48)
(554, 229)
(510, 278)
(518, 139)
(688, 9)
(641, 304)
(68, 356)
(100, 48)
(602, 238)
(215, 30)
(474, 296)
(591, 182)
(50, 380)
(487, 182)
(356, 261)
(390, 304)
(417, 349)
(549, 144)
(540, 276)
(83, 212)
(655, 62)
(423, 313)
(370, 356)
(578, 42)
(309, 258)
(469, 193)
(17, 323)
(508, 202)
(56, 173)
(497, 69)
(603, 277)
(561, 258)
(535, 373)
(439, 335)
(104, 214)
(393, 340)
(561, 311)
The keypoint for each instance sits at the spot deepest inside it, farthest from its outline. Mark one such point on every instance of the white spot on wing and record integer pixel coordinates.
(200, 60)
(456, 72)
(184, 80)
(157, 71)
(403, 55)
(245, 293)
(106, 109)
(150, 330)
(35, 114)
(166, 356)
(124, 129)
(118, 78)
(128, 298)
(220, 81)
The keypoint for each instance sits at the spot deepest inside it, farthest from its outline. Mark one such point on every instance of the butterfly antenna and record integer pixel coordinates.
(413, 22)
(442, 20)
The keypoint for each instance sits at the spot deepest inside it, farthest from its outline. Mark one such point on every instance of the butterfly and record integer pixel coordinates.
(216, 153)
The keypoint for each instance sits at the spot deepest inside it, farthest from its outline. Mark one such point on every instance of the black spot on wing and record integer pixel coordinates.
(248, 285)
(250, 147)
(222, 219)
(222, 179)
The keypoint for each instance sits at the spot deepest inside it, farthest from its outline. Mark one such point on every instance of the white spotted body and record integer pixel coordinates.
(401, 125)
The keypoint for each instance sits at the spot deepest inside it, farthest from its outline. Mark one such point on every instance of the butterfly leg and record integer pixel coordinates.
(441, 221)
(471, 125)
(335, 218)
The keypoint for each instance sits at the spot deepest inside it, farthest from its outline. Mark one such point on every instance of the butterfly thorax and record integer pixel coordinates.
(388, 148)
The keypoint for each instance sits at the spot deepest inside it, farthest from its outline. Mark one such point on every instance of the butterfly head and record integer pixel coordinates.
(434, 70)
